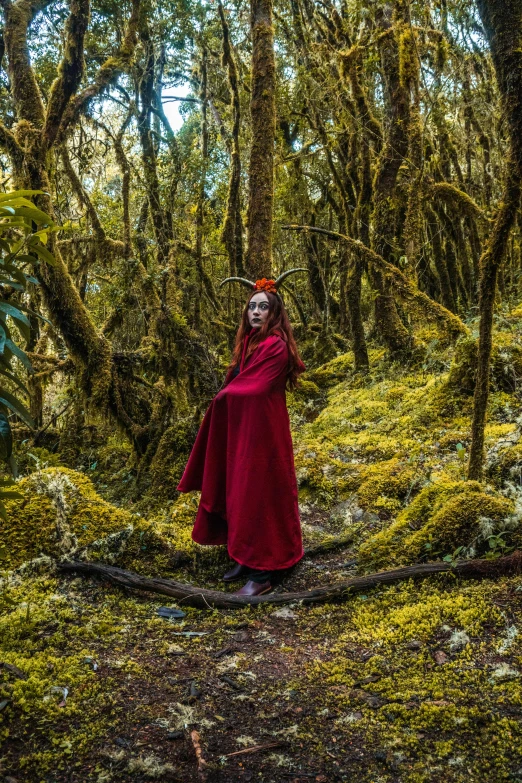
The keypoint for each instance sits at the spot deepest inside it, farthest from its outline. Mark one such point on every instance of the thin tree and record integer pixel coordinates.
(502, 20)
(261, 170)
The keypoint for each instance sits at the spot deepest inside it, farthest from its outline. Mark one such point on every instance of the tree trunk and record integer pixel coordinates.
(148, 152)
(394, 151)
(261, 171)
(502, 21)
(232, 234)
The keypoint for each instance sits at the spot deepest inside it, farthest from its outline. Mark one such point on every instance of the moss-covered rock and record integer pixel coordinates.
(308, 390)
(59, 508)
(508, 465)
(332, 372)
(506, 364)
(444, 516)
(390, 478)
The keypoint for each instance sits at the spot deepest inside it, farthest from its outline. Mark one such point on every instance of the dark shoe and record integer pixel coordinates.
(236, 573)
(254, 588)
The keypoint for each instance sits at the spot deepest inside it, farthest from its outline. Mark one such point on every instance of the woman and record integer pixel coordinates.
(242, 460)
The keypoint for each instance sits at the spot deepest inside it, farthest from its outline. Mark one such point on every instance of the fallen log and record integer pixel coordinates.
(203, 598)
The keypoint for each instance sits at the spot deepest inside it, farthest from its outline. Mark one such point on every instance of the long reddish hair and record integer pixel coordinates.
(278, 323)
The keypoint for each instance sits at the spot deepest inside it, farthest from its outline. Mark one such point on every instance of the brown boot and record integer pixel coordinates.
(237, 572)
(254, 588)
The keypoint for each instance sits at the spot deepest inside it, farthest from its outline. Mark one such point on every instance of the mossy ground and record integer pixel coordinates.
(412, 683)
(416, 683)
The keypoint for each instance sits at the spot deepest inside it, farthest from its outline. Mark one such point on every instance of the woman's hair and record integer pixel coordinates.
(278, 323)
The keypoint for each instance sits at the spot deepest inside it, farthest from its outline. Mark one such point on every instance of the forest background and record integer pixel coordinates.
(154, 150)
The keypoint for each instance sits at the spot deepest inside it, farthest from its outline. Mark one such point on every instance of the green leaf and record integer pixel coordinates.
(33, 213)
(42, 252)
(33, 312)
(10, 401)
(27, 259)
(16, 351)
(15, 194)
(15, 379)
(10, 494)
(6, 438)
(16, 273)
(21, 320)
(12, 283)
(14, 312)
(12, 220)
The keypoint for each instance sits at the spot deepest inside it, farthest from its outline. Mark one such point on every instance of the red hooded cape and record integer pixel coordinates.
(243, 463)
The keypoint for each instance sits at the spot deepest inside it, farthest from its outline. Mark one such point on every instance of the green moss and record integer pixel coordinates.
(428, 721)
(31, 528)
(445, 515)
(333, 372)
(508, 466)
(41, 635)
(31, 458)
(506, 364)
(308, 390)
(390, 478)
(170, 459)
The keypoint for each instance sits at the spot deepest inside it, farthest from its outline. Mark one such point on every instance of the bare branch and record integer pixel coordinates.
(83, 196)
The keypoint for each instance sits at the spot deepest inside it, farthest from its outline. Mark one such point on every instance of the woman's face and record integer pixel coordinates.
(258, 310)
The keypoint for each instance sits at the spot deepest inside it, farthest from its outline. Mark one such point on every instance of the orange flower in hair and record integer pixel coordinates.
(265, 285)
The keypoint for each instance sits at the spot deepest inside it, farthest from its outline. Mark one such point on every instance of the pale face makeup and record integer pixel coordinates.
(258, 310)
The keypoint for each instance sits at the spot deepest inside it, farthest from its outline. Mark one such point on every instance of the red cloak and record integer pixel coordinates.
(243, 463)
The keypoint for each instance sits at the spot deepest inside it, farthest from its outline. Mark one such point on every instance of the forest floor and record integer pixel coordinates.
(413, 683)
(376, 689)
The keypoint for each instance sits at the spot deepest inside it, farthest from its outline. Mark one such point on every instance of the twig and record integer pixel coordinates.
(231, 682)
(224, 651)
(202, 764)
(256, 748)
(172, 681)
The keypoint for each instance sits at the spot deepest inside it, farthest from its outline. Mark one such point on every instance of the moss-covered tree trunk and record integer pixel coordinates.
(232, 234)
(261, 170)
(394, 151)
(41, 127)
(502, 20)
(148, 152)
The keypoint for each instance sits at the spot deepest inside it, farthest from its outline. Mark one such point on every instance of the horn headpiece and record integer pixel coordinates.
(263, 284)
